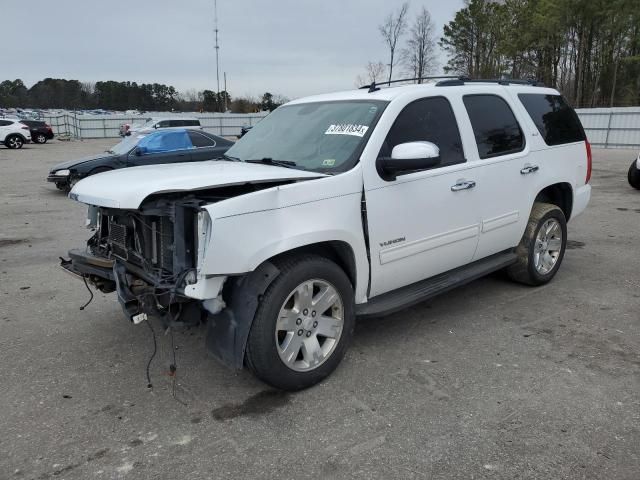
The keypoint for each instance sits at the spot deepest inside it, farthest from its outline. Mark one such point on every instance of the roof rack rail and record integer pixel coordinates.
(462, 80)
(374, 87)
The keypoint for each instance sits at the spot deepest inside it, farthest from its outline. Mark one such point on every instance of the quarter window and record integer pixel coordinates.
(495, 127)
(431, 120)
(556, 121)
(199, 141)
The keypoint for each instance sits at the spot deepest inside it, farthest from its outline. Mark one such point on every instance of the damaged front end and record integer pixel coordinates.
(149, 257)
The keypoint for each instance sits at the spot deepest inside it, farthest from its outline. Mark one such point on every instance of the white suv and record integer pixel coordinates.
(155, 123)
(14, 134)
(341, 205)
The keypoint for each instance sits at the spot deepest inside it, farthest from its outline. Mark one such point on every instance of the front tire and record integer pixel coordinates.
(303, 325)
(14, 142)
(634, 176)
(542, 247)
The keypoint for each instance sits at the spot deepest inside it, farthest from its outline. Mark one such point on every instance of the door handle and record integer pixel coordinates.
(529, 169)
(463, 186)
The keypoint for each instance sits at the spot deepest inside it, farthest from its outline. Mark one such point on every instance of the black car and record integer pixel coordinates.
(40, 131)
(166, 146)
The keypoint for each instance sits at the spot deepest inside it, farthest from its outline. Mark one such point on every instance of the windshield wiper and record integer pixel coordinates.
(277, 163)
(229, 157)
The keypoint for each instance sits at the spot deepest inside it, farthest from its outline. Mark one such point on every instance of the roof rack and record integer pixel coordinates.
(462, 80)
(373, 87)
(454, 80)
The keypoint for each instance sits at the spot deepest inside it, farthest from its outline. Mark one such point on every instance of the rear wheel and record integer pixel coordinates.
(542, 247)
(303, 325)
(634, 176)
(40, 138)
(14, 141)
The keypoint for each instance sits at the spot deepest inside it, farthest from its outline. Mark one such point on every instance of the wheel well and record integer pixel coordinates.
(337, 251)
(559, 194)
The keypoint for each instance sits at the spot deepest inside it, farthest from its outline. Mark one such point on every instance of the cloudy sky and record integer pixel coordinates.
(287, 47)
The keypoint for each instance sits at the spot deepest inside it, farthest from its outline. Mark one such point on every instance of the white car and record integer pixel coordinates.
(348, 204)
(14, 134)
(153, 124)
(634, 173)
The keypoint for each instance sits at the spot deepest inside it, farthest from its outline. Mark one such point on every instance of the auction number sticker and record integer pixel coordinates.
(347, 129)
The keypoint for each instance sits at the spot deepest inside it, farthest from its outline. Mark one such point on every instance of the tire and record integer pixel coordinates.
(40, 138)
(62, 186)
(634, 176)
(274, 337)
(540, 253)
(14, 142)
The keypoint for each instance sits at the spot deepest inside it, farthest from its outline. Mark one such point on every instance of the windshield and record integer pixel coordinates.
(323, 136)
(125, 145)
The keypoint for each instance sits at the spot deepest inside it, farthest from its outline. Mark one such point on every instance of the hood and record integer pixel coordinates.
(73, 163)
(128, 187)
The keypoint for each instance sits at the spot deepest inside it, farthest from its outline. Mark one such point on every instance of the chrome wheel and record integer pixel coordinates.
(309, 325)
(41, 138)
(548, 246)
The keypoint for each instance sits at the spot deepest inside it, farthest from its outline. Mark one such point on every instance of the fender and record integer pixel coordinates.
(228, 331)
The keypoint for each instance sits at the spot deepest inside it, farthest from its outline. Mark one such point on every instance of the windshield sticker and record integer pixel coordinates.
(347, 129)
(329, 162)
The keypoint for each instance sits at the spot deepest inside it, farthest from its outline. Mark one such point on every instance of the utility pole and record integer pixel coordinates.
(215, 10)
(225, 91)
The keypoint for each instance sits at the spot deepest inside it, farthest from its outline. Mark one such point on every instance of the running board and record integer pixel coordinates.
(404, 297)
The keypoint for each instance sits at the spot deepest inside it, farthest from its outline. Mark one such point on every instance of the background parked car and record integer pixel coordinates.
(40, 131)
(156, 123)
(13, 133)
(634, 173)
(167, 146)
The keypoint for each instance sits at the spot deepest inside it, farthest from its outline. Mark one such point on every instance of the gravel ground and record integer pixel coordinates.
(493, 380)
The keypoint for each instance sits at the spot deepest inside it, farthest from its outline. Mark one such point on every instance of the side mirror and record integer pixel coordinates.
(141, 151)
(408, 157)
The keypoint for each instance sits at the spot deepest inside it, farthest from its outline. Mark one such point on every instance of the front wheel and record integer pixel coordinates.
(542, 247)
(14, 142)
(303, 324)
(634, 175)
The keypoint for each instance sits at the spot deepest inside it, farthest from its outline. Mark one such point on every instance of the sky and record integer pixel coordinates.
(287, 47)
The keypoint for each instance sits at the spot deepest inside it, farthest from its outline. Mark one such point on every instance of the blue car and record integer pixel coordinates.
(168, 146)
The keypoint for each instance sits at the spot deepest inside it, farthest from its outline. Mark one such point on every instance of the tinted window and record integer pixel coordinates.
(431, 120)
(556, 121)
(200, 140)
(191, 123)
(163, 124)
(495, 127)
(5, 123)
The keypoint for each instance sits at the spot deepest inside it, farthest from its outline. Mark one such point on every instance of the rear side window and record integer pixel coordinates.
(431, 120)
(199, 141)
(191, 123)
(495, 127)
(163, 124)
(556, 121)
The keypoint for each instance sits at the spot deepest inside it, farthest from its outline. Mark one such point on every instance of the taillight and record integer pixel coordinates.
(589, 161)
(47, 126)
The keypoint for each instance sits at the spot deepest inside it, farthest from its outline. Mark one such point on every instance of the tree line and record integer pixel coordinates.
(112, 95)
(587, 49)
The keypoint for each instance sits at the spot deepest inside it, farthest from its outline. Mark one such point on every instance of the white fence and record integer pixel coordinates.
(612, 127)
(108, 126)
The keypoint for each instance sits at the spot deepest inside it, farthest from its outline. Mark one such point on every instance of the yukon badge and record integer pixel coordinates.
(391, 242)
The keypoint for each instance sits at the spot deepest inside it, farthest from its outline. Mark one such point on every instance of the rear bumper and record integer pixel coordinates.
(581, 198)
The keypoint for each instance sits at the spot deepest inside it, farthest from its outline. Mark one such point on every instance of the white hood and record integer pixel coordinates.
(128, 187)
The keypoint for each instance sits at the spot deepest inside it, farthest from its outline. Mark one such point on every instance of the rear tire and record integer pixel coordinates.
(634, 176)
(40, 138)
(303, 325)
(542, 247)
(14, 142)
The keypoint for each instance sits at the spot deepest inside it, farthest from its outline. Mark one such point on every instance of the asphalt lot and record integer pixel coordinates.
(494, 380)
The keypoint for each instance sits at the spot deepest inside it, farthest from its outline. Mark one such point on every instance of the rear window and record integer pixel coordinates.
(556, 121)
(495, 127)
